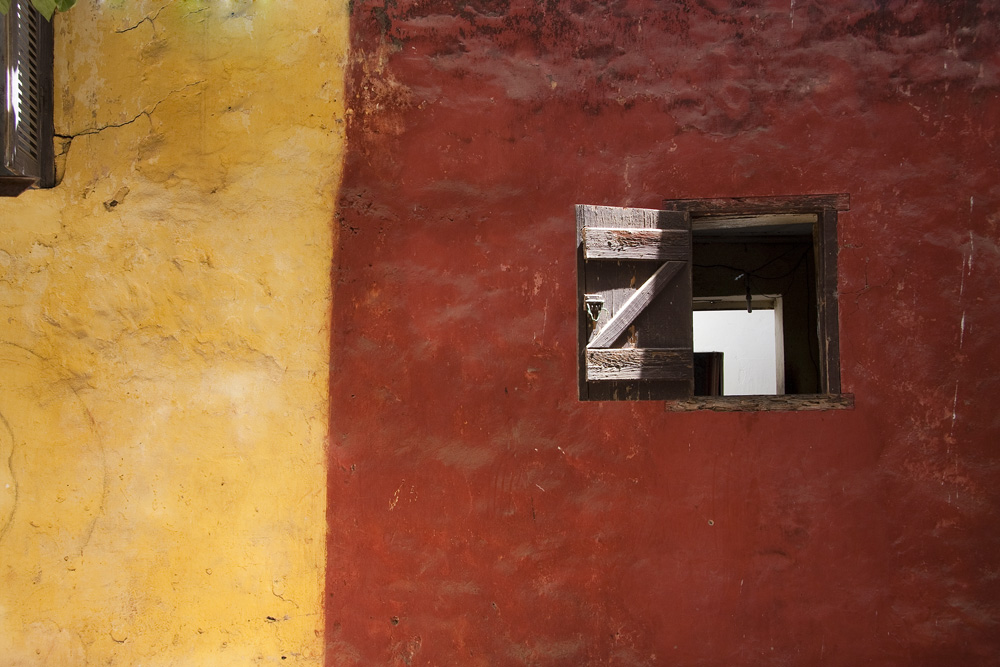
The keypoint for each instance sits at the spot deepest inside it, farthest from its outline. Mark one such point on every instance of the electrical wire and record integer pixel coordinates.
(753, 273)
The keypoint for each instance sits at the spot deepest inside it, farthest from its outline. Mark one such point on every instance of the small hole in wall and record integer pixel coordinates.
(394, 620)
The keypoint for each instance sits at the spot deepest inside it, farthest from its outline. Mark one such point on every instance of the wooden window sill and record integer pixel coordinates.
(12, 186)
(786, 403)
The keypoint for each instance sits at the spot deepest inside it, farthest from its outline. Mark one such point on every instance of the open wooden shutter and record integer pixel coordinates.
(634, 284)
(26, 153)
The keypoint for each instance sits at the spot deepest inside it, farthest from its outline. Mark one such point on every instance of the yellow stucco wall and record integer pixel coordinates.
(164, 333)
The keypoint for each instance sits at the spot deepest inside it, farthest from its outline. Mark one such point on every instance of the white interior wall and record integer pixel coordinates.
(747, 341)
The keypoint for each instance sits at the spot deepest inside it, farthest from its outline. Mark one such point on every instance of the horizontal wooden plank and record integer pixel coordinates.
(632, 244)
(614, 217)
(724, 222)
(753, 205)
(786, 403)
(735, 302)
(640, 364)
(631, 308)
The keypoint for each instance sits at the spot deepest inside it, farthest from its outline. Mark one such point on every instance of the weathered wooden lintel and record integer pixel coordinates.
(786, 403)
(710, 223)
(751, 205)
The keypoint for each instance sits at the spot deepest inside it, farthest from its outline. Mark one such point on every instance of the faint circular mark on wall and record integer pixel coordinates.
(53, 472)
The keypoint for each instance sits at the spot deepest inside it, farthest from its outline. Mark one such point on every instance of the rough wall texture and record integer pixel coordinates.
(481, 515)
(164, 341)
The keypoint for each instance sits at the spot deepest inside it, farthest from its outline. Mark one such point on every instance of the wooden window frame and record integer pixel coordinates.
(727, 213)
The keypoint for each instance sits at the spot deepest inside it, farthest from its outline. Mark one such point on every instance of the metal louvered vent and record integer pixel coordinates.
(26, 114)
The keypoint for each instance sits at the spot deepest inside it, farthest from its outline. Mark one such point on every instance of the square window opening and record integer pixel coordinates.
(651, 282)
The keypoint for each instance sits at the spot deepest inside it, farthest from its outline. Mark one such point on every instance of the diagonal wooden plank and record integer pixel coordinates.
(664, 323)
(631, 309)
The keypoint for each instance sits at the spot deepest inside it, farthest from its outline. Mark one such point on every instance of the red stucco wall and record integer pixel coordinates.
(479, 514)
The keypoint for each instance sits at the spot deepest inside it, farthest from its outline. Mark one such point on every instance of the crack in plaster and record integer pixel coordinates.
(965, 272)
(151, 20)
(145, 112)
(284, 599)
(105, 477)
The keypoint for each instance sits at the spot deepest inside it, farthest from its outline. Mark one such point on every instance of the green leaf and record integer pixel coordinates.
(45, 8)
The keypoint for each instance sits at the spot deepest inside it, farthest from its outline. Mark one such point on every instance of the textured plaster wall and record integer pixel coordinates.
(485, 516)
(164, 341)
